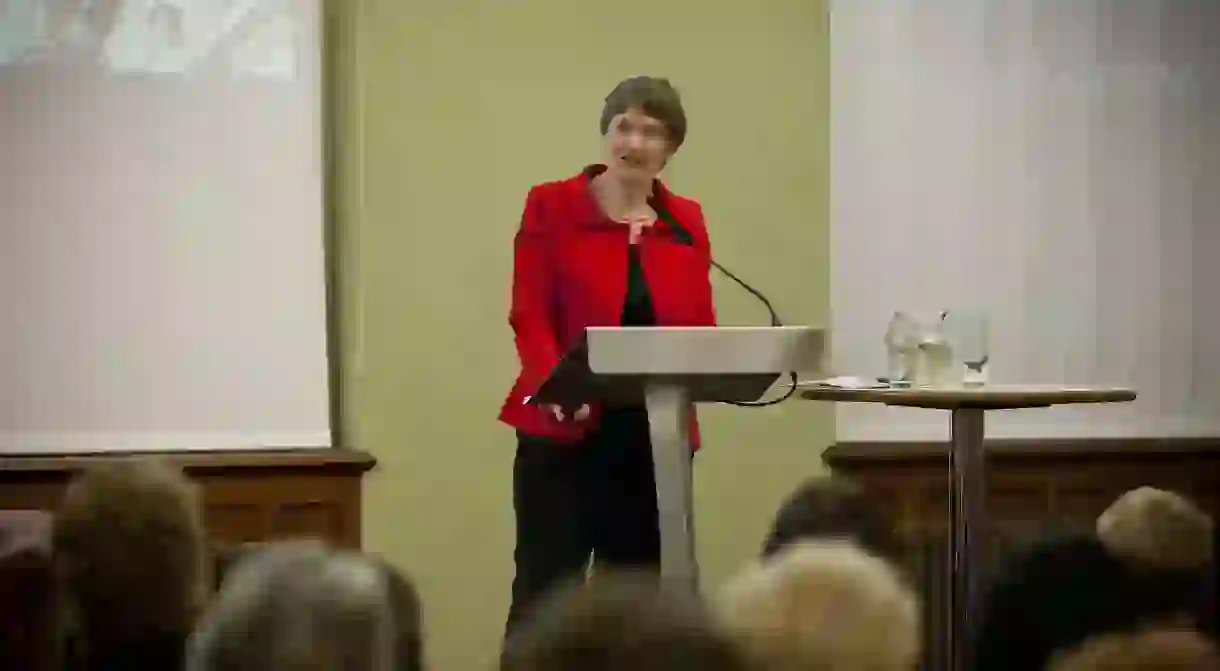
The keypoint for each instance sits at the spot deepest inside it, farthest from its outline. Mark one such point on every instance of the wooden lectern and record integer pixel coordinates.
(667, 369)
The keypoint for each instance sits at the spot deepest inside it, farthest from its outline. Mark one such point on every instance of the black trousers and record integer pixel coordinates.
(594, 499)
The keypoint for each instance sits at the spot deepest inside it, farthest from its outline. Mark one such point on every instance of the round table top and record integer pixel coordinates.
(988, 397)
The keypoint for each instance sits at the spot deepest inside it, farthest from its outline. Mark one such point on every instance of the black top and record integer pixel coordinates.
(166, 652)
(637, 305)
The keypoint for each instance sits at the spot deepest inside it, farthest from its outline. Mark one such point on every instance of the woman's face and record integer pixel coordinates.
(637, 146)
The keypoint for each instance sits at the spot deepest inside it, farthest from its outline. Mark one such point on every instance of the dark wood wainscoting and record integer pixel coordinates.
(1033, 486)
(1031, 482)
(248, 496)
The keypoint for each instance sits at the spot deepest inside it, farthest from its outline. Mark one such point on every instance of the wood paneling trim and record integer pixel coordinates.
(251, 496)
(327, 459)
(1031, 482)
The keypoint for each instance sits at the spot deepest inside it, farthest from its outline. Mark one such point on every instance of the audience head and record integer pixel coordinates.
(825, 605)
(1150, 650)
(828, 508)
(1064, 590)
(130, 552)
(28, 622)
(301, 606)
(621, 622)
(1168, 544)
(407, 613)
(1152, 529)
(227, 557)
(1211, 594)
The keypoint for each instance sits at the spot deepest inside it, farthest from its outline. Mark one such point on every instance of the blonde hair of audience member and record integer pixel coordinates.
(1154, 529)
(294, 607)
(824, 605)
(1152, 649)
(130, 551)
(621, 621)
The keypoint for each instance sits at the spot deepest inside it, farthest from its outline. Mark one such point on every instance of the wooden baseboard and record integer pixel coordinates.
(1031, 482)
(249, 496)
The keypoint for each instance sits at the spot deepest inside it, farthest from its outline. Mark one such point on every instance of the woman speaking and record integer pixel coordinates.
(610, 246)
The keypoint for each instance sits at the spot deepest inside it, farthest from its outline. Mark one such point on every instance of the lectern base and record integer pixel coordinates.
(669, 429)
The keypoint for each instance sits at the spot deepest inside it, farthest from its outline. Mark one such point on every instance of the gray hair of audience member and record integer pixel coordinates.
(1150, 649)
(407, 609)
(825, 605)
(295, 607)
(622, 621)
(1157, 530)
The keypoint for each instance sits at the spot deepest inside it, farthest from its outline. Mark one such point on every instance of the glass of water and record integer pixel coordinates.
(969, 337)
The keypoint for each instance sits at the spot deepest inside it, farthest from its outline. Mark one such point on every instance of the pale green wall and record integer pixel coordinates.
(448, 111)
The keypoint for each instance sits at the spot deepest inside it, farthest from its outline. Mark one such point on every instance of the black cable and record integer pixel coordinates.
(686, 238)
(775, 321)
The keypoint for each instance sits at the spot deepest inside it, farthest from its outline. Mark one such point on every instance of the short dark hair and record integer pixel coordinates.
(622, 621)
(1064, 589)
(831, 507)
(653, 96)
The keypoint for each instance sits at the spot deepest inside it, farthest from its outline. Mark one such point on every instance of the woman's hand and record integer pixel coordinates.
(579, 415)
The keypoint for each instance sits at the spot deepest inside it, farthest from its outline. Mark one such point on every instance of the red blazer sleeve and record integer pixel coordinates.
(531, 314)
(705, 305)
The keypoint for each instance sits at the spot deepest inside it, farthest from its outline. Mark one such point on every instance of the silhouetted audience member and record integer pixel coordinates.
(27, 614)
(1147, 650)
(301, 605)
(621, 622)
(130, 559)
(826, 605)
(830, 507)
(1144, 565)
(1211, 592)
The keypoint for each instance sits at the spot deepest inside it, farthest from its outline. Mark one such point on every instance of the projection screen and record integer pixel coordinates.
(162, 261)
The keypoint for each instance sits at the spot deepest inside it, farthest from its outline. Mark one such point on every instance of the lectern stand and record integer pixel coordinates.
(668, 369)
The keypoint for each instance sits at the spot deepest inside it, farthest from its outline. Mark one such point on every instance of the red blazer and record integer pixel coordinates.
(570, 272)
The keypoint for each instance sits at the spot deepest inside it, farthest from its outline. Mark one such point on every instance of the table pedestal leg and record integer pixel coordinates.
(969, 514)
(669, 428)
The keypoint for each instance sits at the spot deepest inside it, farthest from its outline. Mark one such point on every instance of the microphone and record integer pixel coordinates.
(684, 237)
